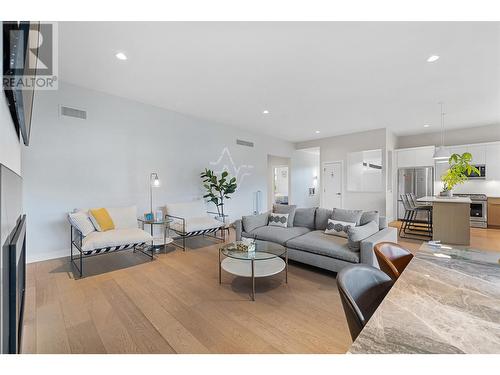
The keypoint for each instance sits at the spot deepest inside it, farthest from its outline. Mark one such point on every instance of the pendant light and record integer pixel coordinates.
(441, 153)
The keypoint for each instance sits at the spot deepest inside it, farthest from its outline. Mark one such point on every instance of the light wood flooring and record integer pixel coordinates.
(128, 304)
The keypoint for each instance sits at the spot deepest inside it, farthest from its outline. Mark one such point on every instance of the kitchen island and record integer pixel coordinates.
(447, 300)
(450, 219)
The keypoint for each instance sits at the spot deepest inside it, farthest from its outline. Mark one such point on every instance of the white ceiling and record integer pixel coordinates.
(336, 77)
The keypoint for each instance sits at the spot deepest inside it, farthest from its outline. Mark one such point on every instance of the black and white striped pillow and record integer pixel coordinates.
(278, 220)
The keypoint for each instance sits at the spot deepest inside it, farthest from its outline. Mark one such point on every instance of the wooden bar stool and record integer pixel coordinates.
(392, 258)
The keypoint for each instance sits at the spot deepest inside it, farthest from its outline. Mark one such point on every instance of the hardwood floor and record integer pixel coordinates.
(484, 239)
(128, 304)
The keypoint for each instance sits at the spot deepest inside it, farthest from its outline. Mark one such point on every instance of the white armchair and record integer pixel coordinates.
(191, 219)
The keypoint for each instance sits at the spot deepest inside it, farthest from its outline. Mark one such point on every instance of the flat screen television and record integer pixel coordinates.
(12, 260)
(20, 61)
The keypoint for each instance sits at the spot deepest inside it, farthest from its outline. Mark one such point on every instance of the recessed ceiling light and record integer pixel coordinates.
(317, 132)
(265, 112)
(433, 58)
(121, 56)
(426, 125)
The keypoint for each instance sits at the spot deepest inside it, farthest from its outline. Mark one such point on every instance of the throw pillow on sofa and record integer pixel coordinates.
(81, 221)
(101, 219)
(338, 228)
(286, 209)
(368, 216)
(351, 216)
(357, 234)
(278, 220)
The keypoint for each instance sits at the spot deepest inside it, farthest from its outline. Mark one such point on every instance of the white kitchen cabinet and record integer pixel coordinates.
(406, 158)
(492, 161)
(478, 153)
(424, 156)
(415, 157)
(457, 150)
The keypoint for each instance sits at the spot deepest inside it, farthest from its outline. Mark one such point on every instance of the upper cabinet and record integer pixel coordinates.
(478, 153)
(492, 161)
(415, 157)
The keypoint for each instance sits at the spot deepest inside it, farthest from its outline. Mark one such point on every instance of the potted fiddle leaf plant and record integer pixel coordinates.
(460, 168)
(218, 189)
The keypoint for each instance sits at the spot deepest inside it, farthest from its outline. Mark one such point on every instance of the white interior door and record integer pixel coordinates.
(332, 185)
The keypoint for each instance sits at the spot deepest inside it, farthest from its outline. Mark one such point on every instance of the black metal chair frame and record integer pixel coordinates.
(76, 242)
(411, 227)
(183, 234)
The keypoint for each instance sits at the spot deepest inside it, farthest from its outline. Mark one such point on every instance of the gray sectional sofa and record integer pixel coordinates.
(308, 243)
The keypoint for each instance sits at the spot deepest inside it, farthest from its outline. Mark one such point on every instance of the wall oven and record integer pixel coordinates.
(475, 175)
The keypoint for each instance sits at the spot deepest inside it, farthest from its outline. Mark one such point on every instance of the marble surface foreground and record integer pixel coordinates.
(445, 301)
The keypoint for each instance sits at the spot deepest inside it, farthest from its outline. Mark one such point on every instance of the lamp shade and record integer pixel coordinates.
(155, 181)
(441, 153)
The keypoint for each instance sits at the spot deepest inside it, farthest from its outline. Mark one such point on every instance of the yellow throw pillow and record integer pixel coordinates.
(104, 221)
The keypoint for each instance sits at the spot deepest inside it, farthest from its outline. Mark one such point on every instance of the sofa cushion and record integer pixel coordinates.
(195, 224)
(115, 237)
(351, 216)
(304, 217)
(318, 242)
(81, 221)
(277, 234)
(252, 222)
(357, 234)
(321, 219)
(123, 217)
(286, 209)
(368, 216)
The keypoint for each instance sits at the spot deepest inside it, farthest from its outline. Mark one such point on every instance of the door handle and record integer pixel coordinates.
(339, 193)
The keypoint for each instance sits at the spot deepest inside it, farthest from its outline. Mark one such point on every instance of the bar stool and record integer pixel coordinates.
(411, 226)
(421, 207)
(392, 258)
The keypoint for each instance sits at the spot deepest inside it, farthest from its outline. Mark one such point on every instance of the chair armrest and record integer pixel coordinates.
(367, 256)
(168, 216)
(76, 235)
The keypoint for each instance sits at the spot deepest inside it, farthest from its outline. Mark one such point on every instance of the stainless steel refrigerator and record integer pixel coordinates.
(419, 181)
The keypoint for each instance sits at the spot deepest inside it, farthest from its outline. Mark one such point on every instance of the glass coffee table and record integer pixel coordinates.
(268, 259)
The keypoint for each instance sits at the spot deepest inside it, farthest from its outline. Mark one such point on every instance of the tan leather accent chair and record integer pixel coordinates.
(392, 258)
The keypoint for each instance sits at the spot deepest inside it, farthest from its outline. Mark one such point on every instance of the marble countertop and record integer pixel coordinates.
(432, 198)
(447, 300)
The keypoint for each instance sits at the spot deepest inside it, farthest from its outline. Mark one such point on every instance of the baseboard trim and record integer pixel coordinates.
(32, 258)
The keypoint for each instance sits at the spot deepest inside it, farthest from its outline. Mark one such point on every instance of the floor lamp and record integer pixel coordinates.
(154, 181)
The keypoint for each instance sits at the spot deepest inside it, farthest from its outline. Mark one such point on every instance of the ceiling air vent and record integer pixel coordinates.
(73, 112)
(244, 143)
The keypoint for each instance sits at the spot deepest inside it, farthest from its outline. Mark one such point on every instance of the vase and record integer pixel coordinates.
(446, 193)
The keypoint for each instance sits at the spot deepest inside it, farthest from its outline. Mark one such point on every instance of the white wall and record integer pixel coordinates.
(337, 148)
(10, 148)
(106, 161)
(306, 165)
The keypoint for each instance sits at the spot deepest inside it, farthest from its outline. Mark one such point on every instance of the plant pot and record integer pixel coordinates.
(446, 193)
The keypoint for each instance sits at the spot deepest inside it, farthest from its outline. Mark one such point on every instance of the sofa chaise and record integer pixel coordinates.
(307, 242)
